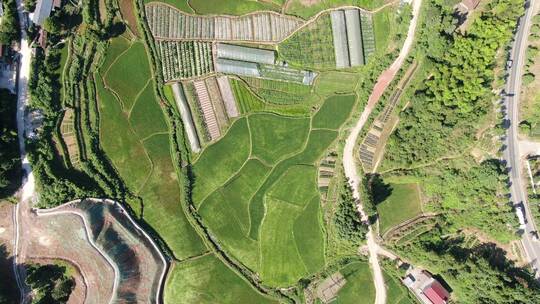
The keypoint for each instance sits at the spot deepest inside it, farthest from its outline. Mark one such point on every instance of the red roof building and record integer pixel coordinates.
(436, 293)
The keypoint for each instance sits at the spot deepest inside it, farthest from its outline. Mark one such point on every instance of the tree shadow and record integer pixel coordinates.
(9, 292)
(379, 190)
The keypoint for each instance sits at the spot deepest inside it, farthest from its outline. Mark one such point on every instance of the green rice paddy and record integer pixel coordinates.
(137, 142)
(406, 199)
(206, 279)
(359, 287)
(256, 190)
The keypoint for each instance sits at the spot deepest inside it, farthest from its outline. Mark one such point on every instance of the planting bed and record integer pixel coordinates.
(168, 23)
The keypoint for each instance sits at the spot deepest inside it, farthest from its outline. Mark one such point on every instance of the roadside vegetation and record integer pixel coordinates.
(529, 124)
(10, 31)
(10, 162)
(446, 143)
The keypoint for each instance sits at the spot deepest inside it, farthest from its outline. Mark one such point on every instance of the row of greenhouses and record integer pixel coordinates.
(353, 37)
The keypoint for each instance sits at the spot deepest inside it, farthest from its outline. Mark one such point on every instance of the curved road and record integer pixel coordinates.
(511, 154)
(349, 163)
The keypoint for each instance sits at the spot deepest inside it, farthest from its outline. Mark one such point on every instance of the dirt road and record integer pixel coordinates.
(348, 155)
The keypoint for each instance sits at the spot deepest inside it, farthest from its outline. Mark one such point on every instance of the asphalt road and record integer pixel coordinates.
(511, 154)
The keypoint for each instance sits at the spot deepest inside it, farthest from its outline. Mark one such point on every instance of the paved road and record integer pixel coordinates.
(349, 160)
(511, 154)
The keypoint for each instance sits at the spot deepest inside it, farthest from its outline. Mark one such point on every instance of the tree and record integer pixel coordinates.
(49, 283)
(10, 168)
(9, 27)
(347, 219)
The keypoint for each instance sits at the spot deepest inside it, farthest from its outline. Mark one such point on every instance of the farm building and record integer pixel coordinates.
(353, 37)
(339, 32)
(242, 53)
(187, 119)
(241, 68)
(426, 288)
(42, 11)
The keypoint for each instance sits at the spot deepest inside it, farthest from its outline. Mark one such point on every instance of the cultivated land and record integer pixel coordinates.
(403, 203)
(206, 279)
(246, 211)
(256, 190)
(135, 136)
(359, 286)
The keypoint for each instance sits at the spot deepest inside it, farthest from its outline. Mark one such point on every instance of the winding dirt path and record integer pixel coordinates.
(349, 163)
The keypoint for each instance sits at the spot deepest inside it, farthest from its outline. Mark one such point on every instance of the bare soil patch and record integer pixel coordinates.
(114, 258)
(127, 10)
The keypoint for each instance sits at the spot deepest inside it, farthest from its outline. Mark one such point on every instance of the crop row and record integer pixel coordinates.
(169, 23)
(368, 36)
(185, 59)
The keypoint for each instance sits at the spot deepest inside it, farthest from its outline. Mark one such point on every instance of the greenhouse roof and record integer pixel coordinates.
(243, 53)
(237, 67)
(339, 33)
(354, 37)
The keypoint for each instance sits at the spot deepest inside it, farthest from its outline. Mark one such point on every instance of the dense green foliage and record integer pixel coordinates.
(10, 166)
(9, 27)
(481, 274)
(445, 112)
(347, 219)
(49, 283)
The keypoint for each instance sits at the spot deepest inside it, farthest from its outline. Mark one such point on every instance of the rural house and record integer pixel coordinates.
(426, 288)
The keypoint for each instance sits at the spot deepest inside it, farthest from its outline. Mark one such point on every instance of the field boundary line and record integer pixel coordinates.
(148, 82)
(154, 134)
(116, 96)
(118, 57)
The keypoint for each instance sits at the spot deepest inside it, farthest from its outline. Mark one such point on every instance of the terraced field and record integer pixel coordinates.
(137, 143)
(256, 190)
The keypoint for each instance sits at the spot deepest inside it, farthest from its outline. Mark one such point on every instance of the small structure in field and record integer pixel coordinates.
(42, 11)
(426, 288)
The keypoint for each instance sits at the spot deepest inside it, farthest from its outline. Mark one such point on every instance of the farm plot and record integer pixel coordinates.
(280, 92)
(359, 287)
(248, 102)
(271, 136)
(265, 207)
(67, 130)
(168, 23)
(334, 82)
(368, 35)
(138, 146)
(401, 205)
(310, 46)
(132, 63)
(336, 109)
(206, 279)
(185, 59)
